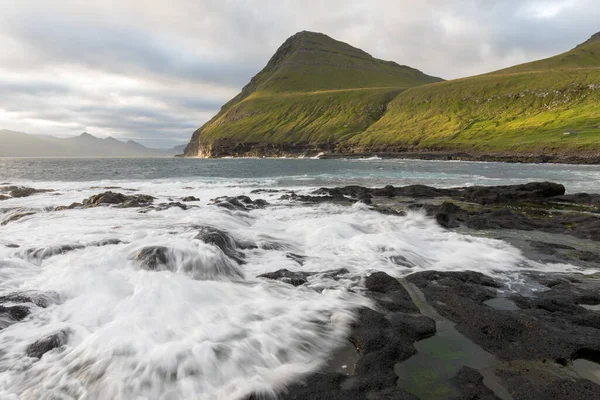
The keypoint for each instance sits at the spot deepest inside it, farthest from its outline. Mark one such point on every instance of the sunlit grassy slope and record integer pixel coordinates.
(314, 89)
(526, 108)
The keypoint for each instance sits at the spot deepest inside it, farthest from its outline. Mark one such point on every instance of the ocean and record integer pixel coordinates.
(208, 328)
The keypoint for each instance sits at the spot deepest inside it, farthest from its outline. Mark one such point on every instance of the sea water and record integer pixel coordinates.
(209, 328)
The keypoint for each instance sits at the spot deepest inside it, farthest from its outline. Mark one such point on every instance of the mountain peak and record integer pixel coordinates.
(85, 135)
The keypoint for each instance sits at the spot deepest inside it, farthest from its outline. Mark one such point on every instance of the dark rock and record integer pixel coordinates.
(286, 276)
(389, 293)
(45, 252)
(15, 216)
(533, 381)
(578, 198)
(190, 198)
(507, 219)
(49, 343)
(382, 337)
(239, 203)
(162, 258)
(256, 191)
(296, 257)
(295, 278)
(470, 382)
(166, 206)
(549, 248)
(21, 191)
(122, 200)
(106, 242)
(548, 326)
(12, 246)
(224, 241)
(153, 258)
(42, 253)
(72, 206)
(3, 197)
(533, 191)
(40, 299)
(11, 314)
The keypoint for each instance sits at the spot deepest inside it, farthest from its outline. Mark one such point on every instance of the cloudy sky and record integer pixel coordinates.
(153, 71)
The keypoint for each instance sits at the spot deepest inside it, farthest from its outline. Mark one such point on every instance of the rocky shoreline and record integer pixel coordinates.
(465, 335)
(431, 334)
(226, 148)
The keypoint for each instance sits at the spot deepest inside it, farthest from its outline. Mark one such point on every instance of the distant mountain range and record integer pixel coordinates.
(18, 144)
(317, 94)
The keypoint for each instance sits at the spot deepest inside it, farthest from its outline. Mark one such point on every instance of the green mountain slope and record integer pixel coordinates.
(551, 106)
(314, 93)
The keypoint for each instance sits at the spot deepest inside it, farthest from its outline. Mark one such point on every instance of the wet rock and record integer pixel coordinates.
(239, 203)
(166, 206)
(190, 198)
(549, 248)
(72, 206)
(42, 253)
(153, 258)
(256, 191)
(209, 265)
(11, 314)
(382, 337)
(286, 276)
(224, 241)
(296, 257)
(389, 292)
(15, 216)
(537, 381)
(450, 215)
(578, 198)
(21, 191)
(106, 242)
(549, 326)
(322, 196)
(118, 199)
(470, 383)
(386, 336)
(3, 197)
(534, 191)
(46, 344)
(297, 278)
(40, 299)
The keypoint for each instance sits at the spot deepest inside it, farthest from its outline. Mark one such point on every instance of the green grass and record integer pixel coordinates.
(313, 90)
(495, 113)
(308, 117)
(318, 91)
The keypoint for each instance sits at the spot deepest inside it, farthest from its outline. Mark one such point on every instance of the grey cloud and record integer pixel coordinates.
(188, 56)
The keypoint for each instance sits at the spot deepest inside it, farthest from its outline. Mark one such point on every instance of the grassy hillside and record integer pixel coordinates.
(526, 108)
(314, 90)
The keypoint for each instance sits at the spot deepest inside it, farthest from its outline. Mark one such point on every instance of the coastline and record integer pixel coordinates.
(225, 149)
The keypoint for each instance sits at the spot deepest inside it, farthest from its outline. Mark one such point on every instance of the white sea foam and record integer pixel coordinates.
(202, 326)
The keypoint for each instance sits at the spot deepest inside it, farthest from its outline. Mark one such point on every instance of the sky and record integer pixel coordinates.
(154, 71)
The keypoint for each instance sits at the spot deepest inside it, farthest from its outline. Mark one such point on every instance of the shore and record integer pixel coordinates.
(591, 159)
(527, 332)
(466, 335)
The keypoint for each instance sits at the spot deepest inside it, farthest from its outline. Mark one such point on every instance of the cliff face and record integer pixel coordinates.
(317, 94)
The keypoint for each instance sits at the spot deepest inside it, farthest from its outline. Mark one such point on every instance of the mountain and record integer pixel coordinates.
(318, 94)
(545, 107)
(17, 144)
(314, 92)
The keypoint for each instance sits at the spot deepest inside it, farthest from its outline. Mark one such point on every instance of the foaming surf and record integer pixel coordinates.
(167, 304)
